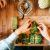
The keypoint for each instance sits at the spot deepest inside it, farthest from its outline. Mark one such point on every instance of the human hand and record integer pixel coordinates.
(24, 27)
(3, 3)
(43, 30)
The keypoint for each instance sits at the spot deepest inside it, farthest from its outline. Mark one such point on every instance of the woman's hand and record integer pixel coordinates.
(24, 27)
(3, 3)
(43, 30)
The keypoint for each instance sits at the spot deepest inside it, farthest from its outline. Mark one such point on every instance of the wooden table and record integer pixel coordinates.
(36, 14)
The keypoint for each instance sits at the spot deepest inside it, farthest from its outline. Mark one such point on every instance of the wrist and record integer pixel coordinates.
(48, 38)
(18, 31)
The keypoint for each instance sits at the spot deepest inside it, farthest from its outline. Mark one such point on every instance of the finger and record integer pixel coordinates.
(3, 2)
(40, 25)
(26, 25)
(43, 25)
(27, 21)
(28, 29)
(1, 6)
(24, 21)
(39, 29)
(29, 25)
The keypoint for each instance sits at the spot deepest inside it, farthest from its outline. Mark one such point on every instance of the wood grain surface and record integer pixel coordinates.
(7, 13)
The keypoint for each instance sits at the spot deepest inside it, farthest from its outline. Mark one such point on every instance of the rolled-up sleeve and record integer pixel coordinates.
(11, 38)
(6, 43)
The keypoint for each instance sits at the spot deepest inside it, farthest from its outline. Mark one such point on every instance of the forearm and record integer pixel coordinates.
(11, 38)
(48, 41)
(8, 42)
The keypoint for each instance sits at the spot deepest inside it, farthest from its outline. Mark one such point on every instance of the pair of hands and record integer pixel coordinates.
(3, 3)
(25, 27)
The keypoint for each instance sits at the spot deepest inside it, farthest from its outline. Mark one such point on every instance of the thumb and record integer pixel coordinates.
(39, 29)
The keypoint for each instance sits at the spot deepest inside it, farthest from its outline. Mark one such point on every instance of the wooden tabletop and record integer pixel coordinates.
(39, 12)
(36, 14)
(31, 44)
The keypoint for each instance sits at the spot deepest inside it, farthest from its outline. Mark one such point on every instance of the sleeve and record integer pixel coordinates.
(11, 38)
(4, 46)
(6, 43)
